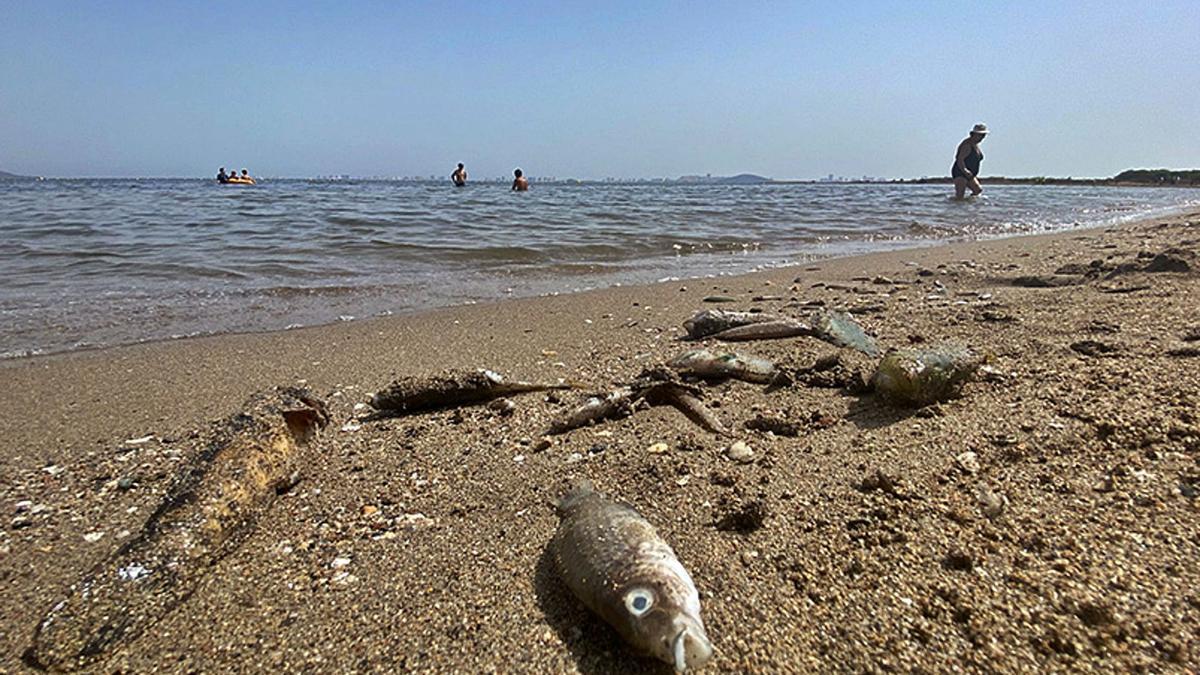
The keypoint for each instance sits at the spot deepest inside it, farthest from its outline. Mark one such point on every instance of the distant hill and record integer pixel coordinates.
(740, 179)
(744, 179)
(1159, 177)
(4, 175)
(1132, 177)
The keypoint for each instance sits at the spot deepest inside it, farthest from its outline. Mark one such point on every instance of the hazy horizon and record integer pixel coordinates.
(627, 90)
(428, 177)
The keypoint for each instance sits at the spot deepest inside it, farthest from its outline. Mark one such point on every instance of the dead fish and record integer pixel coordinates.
(712, 321)
(654, 386)
(766, 330)
(620, 568)
(206, 513)
(616, 404)
(839, 328)
(706, 364)
(454, 388)
(923, 376)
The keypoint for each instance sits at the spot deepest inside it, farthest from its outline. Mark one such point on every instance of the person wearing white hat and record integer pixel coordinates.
(966, 163)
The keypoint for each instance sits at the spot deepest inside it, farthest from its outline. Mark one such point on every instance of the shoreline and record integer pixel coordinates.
(1087, 563)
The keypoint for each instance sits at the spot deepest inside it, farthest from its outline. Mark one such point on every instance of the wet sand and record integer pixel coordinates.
(1067, 540)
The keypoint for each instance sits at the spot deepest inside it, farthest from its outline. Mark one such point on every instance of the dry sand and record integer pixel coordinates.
(1069, 540)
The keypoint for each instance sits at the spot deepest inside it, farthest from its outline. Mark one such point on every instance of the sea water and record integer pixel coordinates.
(90, 263)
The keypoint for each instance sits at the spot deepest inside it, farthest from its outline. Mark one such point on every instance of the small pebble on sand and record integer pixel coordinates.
(414, 521)
(740, 452)
(991, 503)
(968, 461)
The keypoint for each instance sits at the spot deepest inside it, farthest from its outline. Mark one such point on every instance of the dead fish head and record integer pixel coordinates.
(692, 358)
(663, 625)
(302, 412)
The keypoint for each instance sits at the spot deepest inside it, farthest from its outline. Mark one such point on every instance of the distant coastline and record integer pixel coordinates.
(1127, 178)
(4, 175)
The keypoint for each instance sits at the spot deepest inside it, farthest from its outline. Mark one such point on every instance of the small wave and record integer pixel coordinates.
(286, 292)
(27, 251)
(21, 353)
(919, 229)
(363, 222)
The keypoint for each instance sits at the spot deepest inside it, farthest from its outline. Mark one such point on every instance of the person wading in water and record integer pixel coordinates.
(966, 163)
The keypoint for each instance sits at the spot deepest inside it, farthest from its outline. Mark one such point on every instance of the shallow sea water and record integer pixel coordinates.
(91, 263)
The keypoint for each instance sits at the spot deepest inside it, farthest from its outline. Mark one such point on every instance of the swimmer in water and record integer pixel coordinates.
(520, 184)
(459, 176)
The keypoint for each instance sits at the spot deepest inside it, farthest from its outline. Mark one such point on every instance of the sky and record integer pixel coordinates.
(790, 90)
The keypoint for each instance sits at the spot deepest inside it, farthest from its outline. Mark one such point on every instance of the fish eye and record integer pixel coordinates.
(639, 601)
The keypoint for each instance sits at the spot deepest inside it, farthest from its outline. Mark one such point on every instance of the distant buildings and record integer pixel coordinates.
(851, 179)
(692, 179)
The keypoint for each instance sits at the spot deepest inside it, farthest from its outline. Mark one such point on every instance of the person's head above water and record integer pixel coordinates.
(222, 169)
(979, 131)
(460, 165)
(245, 172)
(518, 173)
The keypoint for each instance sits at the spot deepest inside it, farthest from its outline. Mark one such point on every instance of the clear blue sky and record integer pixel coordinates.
(593, 89)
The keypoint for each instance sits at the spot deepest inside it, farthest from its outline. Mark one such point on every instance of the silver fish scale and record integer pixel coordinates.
(603, 549)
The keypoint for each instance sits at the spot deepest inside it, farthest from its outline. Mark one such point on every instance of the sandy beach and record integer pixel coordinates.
(1046, 520)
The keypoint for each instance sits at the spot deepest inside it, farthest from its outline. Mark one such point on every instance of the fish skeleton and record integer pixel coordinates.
(706, 364)
(617, 403)
(615, 562)
(206, 513)
(454, 388)
(654, 386)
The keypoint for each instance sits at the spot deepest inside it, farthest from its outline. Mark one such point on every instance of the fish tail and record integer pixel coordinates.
(579, 489)
(696, 411)
(108, 607)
